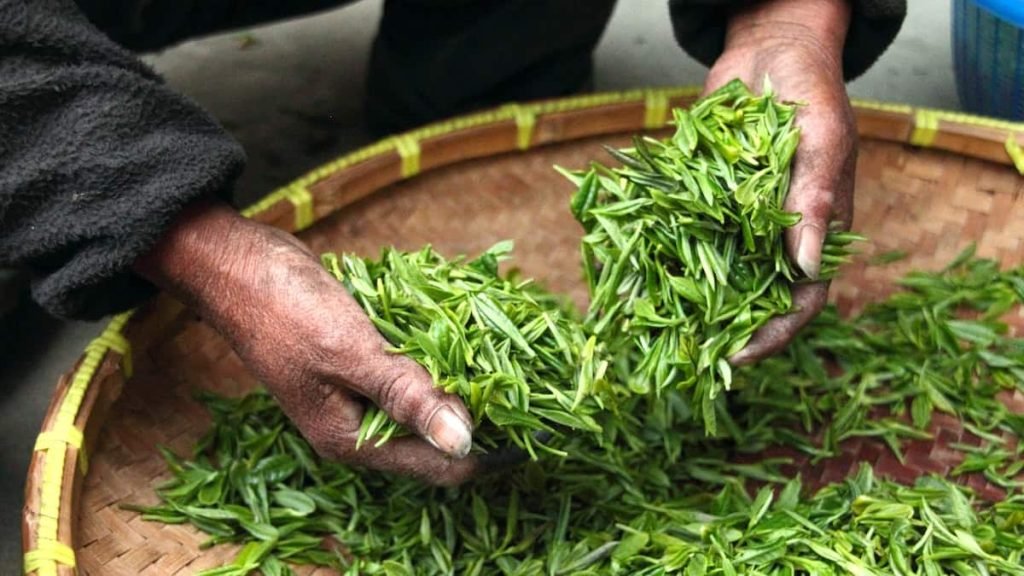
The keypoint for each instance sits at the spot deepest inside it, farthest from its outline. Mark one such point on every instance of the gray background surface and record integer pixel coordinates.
(291, 93)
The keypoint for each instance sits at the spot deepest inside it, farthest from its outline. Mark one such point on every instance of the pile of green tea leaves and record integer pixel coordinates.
(517, 356)
(684, 252)
(657, 466)
(655, 495)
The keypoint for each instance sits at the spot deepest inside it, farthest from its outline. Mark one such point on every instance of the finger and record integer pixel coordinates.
(821, 188)
(398, 385)
(808, 301)
(332, 429)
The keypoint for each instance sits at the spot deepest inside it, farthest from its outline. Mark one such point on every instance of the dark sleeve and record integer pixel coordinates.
(97, 155)
(700, 29)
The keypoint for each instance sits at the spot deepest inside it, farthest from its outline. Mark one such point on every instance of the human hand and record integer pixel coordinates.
(309, 342)
(798, 44)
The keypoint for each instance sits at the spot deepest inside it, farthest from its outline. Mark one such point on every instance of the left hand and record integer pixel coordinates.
(309, 342)
(798, 44)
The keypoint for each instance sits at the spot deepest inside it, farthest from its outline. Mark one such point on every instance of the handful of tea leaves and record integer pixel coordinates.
(515, 354)
(683, 252)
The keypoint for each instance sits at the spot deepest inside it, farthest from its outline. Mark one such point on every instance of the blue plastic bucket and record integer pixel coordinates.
(988, 56)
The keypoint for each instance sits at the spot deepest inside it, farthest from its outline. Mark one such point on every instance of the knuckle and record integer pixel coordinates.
(330, 448)
(816, 207)
(824, 200)
(398, 395)
(328, 349)
(327, 339)
(329, 423)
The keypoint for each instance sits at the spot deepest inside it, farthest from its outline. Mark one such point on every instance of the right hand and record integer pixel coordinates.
(301, 333)
(798, 44)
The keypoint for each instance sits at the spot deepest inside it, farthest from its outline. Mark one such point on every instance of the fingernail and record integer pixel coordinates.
(449, 433)
(808, 250)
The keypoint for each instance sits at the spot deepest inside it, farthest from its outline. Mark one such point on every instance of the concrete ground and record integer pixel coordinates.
(291, 93)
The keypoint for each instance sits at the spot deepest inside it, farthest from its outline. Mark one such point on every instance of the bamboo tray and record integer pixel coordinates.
(928, 183)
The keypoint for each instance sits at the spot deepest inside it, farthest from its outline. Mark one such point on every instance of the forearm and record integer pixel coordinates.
(824, 22)
(197, 253)
(860, 30)
(214, 260)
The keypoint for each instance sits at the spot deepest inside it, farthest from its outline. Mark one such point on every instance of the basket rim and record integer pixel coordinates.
(59, 456)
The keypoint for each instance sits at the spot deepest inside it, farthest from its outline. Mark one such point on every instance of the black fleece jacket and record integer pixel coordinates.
(97, 154)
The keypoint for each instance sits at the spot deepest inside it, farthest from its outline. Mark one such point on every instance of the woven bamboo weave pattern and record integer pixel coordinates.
(927, 203)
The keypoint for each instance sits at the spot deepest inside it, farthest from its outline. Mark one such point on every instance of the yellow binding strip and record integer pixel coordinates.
(297, 194)
(972, 120)
(302, 200)
(1014, 151)
(112, 339)
(929, 119)
(264, 204)
(61, 436)
(48, 554)
(408, 147)
(525, 121)
(926, 125)
(49, 550)
(655, 109)
(882, 106)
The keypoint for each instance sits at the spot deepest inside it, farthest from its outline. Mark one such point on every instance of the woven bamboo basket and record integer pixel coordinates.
(928, 183)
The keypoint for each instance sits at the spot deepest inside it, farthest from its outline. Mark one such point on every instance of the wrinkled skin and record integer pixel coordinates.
(798, 44)
(301, 333)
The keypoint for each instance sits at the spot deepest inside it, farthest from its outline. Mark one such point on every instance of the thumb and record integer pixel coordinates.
(406, 392)
(806, 241)
(821, 191)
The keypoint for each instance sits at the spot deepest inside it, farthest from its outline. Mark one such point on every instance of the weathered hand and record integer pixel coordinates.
(798, 44)
(310, 343)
